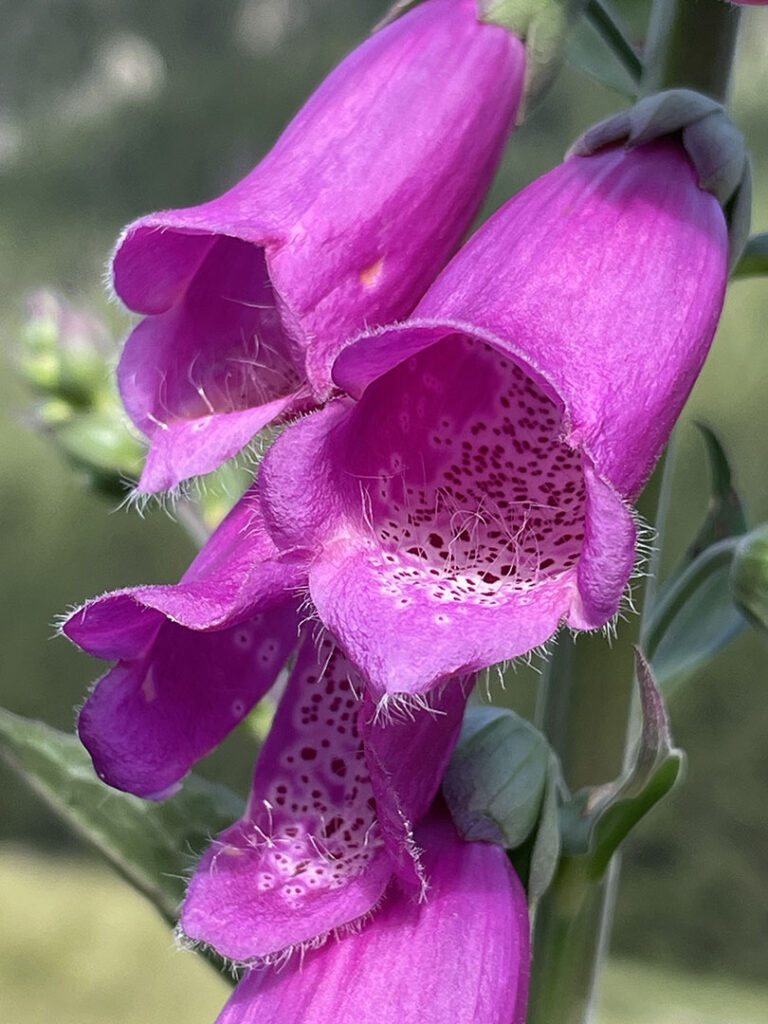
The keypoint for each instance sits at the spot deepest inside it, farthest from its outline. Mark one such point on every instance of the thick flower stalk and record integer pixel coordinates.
(458, 957)
(474, 492)
(342, 226)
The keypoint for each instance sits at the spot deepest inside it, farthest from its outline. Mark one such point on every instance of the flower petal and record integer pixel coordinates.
(193, 658)
(151, 718)
(408, 745)
(198, 376)
(356, 596)
(239, 572)
(458, 957)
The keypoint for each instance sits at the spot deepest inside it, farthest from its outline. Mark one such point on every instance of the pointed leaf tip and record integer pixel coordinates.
(726, 516)
(597, 820)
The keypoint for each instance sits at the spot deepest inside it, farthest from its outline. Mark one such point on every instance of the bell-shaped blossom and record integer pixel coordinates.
(336, 793)
(473, 494)
(341, 226)
(460, 956)
(192, 658)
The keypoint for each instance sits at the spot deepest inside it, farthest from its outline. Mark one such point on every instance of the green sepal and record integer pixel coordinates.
(543, 26)
(749, 577)
(754, 259)
(100, 440)
(502, 786)
(495, 782)
(152, 845)
(63, 352)
(596, 820)
(714, 145)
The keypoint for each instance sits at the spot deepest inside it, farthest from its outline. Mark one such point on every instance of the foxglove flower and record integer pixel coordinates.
(336, 792)
(474, 494)
(343, 225)
(458, 957)
(192, 658)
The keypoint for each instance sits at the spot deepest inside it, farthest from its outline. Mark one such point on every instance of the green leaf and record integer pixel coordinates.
(749, 576)
(606, 21)
(725, 515)
(153, 845)
(599, 47)
(754, 259)
(694, 618)
(545, 853)
(597, 819)
(496, 781)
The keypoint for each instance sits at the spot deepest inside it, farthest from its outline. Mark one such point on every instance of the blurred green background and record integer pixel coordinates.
(111, 108)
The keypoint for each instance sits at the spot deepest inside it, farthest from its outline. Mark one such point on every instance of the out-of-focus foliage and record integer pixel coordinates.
(95, 922)
(110, 108)
(152, 844)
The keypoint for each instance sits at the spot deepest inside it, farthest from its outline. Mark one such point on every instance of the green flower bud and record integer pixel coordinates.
(749, 577)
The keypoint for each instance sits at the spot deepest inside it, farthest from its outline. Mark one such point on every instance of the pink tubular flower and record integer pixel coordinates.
(192, 659)
(458, 957)
(474, 494)
(335, 795)
(341, 226)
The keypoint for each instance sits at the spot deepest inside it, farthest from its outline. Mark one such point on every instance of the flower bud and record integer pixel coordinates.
(749, 576)
(63, 349)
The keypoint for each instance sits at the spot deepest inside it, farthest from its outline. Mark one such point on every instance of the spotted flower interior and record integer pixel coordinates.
(318, 812)
(464, 479)
(308, 857)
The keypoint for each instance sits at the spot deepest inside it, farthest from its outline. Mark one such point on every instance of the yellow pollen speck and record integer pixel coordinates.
(370, 276)
(148, 687)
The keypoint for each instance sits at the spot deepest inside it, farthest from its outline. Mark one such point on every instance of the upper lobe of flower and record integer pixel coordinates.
(458, 957)
(474, 496)
(342, 226)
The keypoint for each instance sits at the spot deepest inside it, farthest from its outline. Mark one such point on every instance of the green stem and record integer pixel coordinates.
(691, 44)
(584, 707)
(587, 697)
